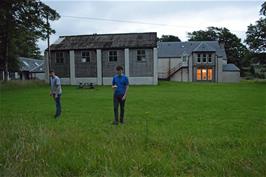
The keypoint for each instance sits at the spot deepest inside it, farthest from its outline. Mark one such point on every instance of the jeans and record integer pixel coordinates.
(57, 104)
(118, 101)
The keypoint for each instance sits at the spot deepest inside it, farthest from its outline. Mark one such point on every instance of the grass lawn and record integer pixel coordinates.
(174, 129)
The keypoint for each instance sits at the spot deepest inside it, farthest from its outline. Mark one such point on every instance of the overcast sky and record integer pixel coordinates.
(164, 17)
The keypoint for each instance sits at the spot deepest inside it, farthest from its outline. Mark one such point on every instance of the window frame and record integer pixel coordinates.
(199, 58)
(59, 58)
(112, 57)
(209, 58)
(209, 74)
(204, 58)
(141, 55)
(86, 56)
(184, 59)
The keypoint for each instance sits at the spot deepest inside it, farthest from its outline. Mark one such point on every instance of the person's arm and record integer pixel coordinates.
(113, 84)
(57, 84)
(127, 86)
(125, 95)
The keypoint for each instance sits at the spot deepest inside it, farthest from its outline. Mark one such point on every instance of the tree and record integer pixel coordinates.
(22, 23)
(256, 38)
(263, 9)
(169, 38)
(208, 35)
(234, 49)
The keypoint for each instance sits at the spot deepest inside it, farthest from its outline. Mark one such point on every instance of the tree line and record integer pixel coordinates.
(237, 53)
(23, 22)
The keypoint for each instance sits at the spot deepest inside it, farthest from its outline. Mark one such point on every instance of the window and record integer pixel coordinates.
(85, 57)
(199, 59)
(59, 57)
(198, 74)
(210, 58)
(184, 58)
(204, 74)
(204, 58)
(141, 55)
(209, 74)
(112, 56)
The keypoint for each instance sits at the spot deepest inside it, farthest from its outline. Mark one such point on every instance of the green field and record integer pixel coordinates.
(174, 129)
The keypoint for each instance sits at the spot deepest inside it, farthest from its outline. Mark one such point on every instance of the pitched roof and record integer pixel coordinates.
(230, 67)
(106, 41)
(31, 65)
(176, 49)
(204, 47)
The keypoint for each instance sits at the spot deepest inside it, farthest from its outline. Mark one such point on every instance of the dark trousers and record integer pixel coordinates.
(57, 104)
(118, 101)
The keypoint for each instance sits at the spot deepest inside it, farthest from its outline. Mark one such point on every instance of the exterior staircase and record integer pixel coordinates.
(171, 72)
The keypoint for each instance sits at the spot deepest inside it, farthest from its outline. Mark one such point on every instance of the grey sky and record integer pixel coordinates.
(180, 16)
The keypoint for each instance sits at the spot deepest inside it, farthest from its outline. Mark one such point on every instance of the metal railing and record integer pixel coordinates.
(171, 72)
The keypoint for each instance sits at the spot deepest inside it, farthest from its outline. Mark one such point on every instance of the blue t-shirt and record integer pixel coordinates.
(121, 82)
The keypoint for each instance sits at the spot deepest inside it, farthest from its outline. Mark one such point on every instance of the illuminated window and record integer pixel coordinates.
(204, 74)
(198, 74)
(209, 74)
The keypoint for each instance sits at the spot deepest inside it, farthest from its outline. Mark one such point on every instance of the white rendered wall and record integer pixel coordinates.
(99, 67)
(155, 66)
(72, 67)
(231, 77)
(127, 62)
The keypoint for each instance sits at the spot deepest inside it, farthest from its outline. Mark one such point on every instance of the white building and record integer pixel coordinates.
(195, 61)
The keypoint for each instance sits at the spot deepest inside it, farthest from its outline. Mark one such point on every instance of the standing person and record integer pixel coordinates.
(120, 87)
(56, 92)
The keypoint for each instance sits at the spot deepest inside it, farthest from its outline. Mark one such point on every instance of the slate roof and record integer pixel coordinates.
(106, 41)
(230, 67)
(177, 49)
(31, 65)
(204, 47)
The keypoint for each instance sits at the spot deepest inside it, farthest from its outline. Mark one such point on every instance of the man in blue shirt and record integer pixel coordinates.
(56, 92)
(120, 87)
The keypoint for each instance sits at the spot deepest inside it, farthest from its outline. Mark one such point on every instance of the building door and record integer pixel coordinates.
(210, 73)
(204, 74)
